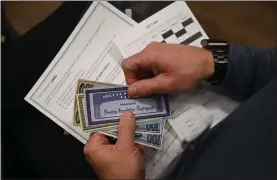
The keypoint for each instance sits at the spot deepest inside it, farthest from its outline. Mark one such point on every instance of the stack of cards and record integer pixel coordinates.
(98, 107)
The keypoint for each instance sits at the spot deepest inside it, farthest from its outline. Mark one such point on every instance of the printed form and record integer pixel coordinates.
(89, 53)
(192, 112)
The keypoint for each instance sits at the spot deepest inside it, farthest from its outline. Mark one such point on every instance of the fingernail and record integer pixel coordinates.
(126, 115)
(132, 90)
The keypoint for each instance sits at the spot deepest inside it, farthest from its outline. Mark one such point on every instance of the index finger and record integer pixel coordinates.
(131, 69)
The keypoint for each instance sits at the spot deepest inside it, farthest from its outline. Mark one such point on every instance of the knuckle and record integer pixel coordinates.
(152, 46)
(124, 63)
(146, 89)
(86, 150)
(168, 82)
(90, 152)
(152, 51)
(88, 147)
(94, 136)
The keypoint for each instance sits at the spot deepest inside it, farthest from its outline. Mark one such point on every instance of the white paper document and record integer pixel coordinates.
(192, 112)
(174, 24)
(156, 161)
(198, 110)
(89, 53)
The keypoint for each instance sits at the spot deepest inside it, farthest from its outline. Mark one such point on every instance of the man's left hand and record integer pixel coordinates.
(122, 160)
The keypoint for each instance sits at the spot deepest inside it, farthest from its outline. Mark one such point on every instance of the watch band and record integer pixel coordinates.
(220, 51)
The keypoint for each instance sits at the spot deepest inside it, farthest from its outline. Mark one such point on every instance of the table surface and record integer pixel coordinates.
(239, 22)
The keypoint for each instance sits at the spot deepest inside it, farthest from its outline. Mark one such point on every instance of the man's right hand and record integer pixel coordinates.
(166, 68)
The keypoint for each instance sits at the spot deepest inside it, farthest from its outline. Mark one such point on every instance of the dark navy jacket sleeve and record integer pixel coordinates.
(250, 69)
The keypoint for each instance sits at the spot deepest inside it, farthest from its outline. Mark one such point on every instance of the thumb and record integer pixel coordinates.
(126, 130)
(155, 85)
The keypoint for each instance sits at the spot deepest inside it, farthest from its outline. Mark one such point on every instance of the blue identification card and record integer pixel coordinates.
(105, 105)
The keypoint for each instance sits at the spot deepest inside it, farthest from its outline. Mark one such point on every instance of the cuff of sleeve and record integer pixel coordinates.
(239, 67)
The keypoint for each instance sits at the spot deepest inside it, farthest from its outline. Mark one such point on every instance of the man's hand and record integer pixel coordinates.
(166, 68)
(120, 161)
